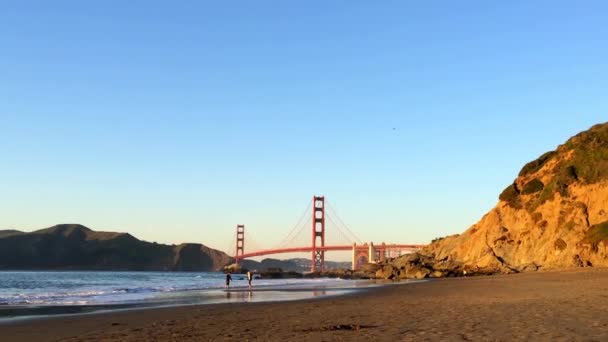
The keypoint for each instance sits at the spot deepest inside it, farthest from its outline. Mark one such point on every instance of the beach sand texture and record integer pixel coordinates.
(550, 306)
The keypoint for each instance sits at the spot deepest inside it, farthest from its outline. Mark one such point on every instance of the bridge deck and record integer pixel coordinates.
(330, 248)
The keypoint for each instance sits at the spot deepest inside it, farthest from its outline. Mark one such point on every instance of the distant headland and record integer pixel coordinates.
(76, 247)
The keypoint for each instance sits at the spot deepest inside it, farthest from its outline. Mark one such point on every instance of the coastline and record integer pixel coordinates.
(566, 304)
(235, 294)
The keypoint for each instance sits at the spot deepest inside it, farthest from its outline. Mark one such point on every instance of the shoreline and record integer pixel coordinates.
(236, 295)
(548, 305)
(33, 289)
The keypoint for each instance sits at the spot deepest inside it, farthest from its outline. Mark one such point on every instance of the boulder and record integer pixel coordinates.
(387, 272)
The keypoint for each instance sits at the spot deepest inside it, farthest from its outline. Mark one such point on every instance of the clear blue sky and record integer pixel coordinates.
(176, 120)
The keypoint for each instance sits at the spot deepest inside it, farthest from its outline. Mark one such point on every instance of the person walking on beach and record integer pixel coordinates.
(249, 278)
(228, 279)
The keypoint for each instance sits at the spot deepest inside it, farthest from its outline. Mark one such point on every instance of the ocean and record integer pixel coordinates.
(33, 292)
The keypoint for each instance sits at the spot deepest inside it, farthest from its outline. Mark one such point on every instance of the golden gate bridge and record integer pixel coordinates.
(361, 252)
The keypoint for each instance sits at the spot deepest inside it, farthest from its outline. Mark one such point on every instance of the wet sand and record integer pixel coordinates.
(564, 305)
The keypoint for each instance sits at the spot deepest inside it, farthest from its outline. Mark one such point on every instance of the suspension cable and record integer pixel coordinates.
(298, 233)
(296, 228)
(339, 230)
(333, 210)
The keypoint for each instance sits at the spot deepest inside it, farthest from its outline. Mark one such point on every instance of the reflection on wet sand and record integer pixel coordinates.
(239, 296)
(317, 293)
(296, 292)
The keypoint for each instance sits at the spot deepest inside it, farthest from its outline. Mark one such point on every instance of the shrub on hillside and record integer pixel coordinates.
(560, 244)
(589, 160)
(533, 186)
(564, 178)
(597, 233)
(559, 184)
(569, 225)
(437, 239)
(537, 164)
(511, 196)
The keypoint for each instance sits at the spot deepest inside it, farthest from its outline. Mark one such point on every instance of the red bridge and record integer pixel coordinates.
(361, 253)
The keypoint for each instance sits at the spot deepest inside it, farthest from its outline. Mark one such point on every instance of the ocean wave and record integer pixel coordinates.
(73, 290)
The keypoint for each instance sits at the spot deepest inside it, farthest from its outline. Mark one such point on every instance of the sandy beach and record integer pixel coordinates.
(556, 305)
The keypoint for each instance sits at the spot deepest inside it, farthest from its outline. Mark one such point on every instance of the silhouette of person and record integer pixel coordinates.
(228, 279)
(249, 278)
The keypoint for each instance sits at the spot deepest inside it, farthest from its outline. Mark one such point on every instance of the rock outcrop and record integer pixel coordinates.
(75, 247)
(553, 215)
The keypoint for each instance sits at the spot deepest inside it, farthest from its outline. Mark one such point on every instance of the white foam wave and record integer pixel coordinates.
(102, 287)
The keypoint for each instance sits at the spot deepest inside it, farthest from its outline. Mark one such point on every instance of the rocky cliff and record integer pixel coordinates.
(553, 215)
(75, 247)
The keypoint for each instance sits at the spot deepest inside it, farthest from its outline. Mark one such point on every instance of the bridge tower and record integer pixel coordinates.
(318, 233)
(240, 242)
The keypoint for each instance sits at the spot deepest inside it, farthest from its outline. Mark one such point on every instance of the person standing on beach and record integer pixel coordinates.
(249, 278)
(228, 279)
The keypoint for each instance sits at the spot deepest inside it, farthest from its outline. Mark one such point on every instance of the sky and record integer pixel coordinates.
(176, 120)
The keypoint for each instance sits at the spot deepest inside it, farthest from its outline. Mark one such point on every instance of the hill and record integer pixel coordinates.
(9, 232)
(76, 247)
(300, 265)
(553, 215)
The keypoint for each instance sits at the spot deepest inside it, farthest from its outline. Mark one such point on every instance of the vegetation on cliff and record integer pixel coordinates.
(554, 214)
(582, 159)
(597, 233)
(535, 165)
